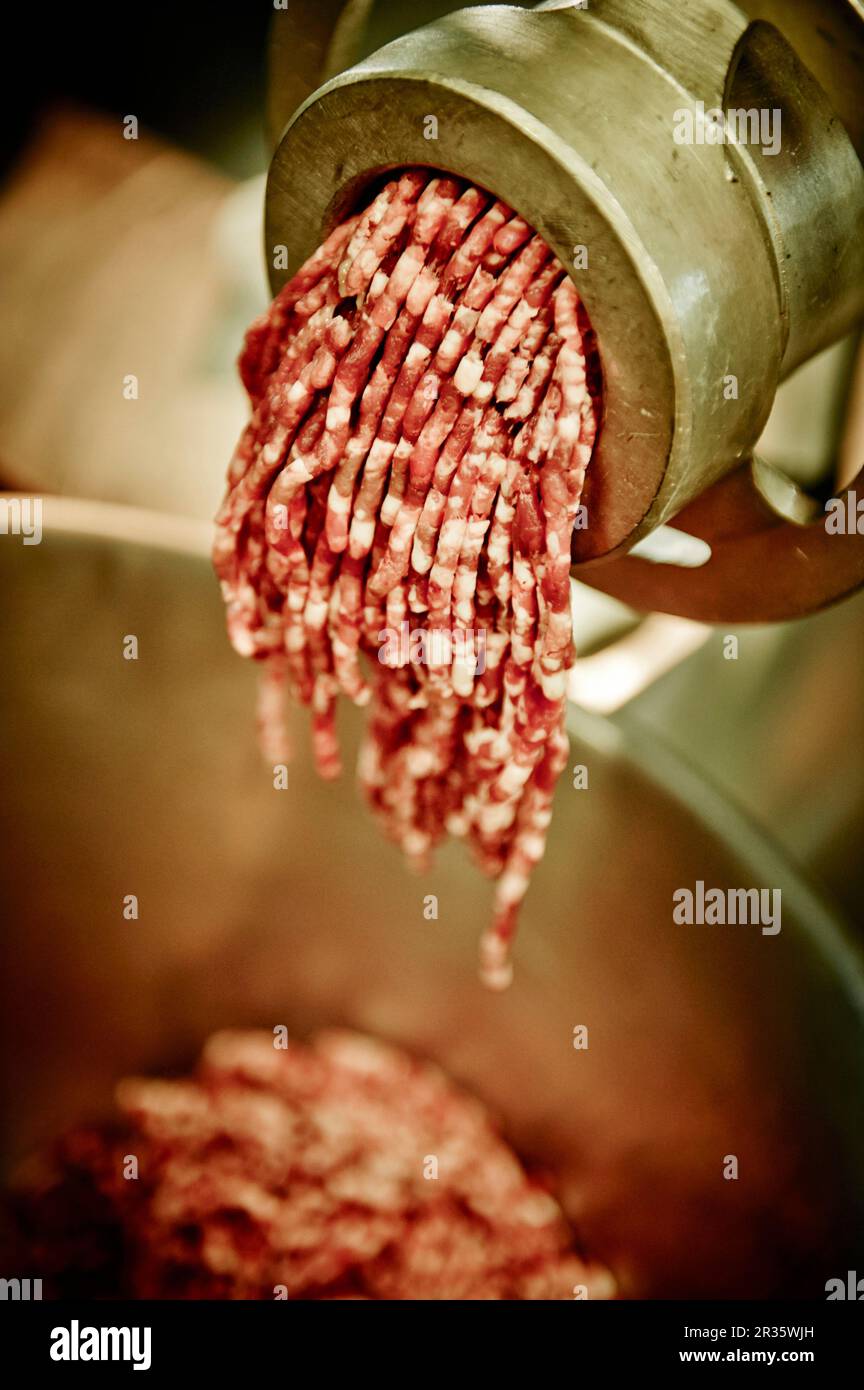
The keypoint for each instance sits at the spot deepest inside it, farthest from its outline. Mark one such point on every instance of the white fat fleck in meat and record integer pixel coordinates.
(468, 373)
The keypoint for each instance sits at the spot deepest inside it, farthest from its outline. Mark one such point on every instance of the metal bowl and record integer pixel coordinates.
(264, 907)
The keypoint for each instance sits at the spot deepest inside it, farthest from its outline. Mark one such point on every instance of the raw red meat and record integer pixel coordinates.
(345, 1169)
(399, 513)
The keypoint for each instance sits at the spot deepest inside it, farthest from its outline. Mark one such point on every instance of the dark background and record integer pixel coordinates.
(191, 72)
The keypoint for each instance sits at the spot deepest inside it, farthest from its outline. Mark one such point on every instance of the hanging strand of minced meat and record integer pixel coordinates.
(425, 398)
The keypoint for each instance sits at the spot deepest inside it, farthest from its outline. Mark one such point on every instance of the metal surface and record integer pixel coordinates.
(265, 907)
(313, 40)
(300, 36)
(829, 35)
(705, 262)
(781, 729)
(771, 556)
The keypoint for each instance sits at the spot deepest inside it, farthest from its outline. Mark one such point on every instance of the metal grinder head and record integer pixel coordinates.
(710, 268)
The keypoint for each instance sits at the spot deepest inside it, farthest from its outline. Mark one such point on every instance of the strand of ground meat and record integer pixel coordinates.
(399, 512)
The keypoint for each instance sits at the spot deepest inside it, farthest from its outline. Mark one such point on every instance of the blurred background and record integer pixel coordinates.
(130, 256)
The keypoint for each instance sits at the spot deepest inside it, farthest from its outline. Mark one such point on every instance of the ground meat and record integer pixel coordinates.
(344, 1169)
(399, 511)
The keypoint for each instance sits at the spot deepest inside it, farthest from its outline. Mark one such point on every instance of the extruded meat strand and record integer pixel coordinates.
(425, 401)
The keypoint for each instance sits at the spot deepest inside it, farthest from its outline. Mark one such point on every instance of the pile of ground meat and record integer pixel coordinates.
(341, 1169)
(424, 404)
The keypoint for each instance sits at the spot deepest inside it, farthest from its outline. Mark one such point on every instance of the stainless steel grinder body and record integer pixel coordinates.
(709, 270)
